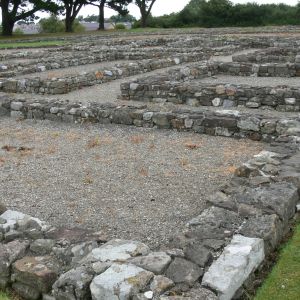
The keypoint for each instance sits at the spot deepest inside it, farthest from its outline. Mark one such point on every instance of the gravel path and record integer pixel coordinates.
(58, 73)
(249, 80)
(126, 182)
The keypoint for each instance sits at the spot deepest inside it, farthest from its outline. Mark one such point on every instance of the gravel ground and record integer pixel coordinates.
(74, 70)
(250, 80)
(126, 182)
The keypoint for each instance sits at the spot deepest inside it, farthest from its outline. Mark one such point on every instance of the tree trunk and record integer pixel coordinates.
(7, 22)
(7, 28)
(101, 16)
(143, 19)
(69, 21)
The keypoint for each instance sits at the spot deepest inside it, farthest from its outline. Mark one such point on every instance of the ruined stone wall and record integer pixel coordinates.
(68, 83)
(260, 70)
(218, 95)
(65, 60)
(219, 122)
(270, 55)
(254, 210)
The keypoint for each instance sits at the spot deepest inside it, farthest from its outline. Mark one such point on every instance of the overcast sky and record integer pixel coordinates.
(162, 7)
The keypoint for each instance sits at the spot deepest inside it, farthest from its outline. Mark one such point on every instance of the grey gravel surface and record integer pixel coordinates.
(126, 182)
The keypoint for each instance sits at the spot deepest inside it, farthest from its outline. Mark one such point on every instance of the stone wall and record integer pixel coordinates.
(156, 89)
(72, 82)
(260, 70)
(58, 60)
(274, 54)
(253, 209)
(214, 122)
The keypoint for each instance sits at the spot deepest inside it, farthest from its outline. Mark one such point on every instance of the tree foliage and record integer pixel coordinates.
(55, 25)
(219, 13)
(122, 18)
(145, 7)
(119, 6)
(71, 10)
(16, 10)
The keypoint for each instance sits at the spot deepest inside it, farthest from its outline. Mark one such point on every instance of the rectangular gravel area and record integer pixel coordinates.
(126, 182)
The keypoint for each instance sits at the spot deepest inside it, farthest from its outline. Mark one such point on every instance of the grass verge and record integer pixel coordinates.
(4, 296)
(9, 295)
(283, 283)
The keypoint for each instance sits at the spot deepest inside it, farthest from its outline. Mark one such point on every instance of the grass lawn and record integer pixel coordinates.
(13, 45)
(284, 281)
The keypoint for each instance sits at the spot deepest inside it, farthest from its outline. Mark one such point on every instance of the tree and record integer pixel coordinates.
(122, 18)
(54, 25)
(91, 18)
(51, 25)
(145, 7)
(16, 10)
(117, 5)
(72, 8)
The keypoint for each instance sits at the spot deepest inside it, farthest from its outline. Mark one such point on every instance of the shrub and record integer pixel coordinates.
(54, 25)
(120, 26)
(78, 27)
(18, 31)
(51, 25)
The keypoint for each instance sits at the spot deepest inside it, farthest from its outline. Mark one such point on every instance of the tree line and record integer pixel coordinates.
(201, 13)
(25, 10)
(222, 13)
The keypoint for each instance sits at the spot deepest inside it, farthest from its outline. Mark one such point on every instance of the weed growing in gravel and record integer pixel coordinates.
(191, 145)
(136, 139)
(2, 161)
(93, 143)
(144, 172)
(88, 179)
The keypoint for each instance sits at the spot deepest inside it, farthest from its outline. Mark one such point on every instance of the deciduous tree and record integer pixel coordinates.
(16, 10)
(145, 7)
(118, 5)
(72, 8)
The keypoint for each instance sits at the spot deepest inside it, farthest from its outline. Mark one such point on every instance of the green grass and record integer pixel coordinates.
(13, 45)
(284, 281)
(4, 296)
